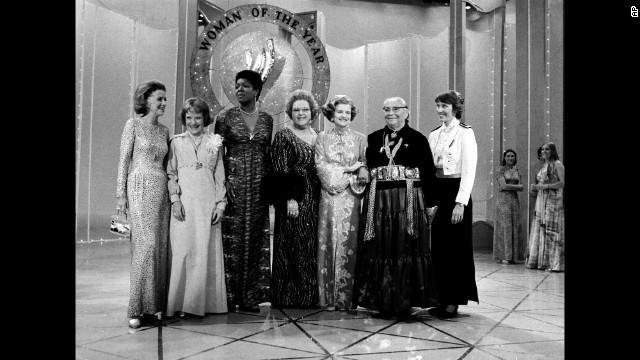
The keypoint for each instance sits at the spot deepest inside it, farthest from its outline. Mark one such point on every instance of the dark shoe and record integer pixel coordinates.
(448, 314)
(435, 311)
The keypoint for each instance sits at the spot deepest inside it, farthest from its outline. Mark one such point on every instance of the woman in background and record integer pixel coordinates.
(546, 243)
(142, 190)
(339, 155)
(245, 227)
(508, 244)
(295, 241)
(198, 200)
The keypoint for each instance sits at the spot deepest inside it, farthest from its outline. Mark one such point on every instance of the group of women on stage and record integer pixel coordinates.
(198, 205)
(545, 247)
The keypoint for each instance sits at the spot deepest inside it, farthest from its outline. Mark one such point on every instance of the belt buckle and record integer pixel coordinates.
(402, 176)
(410, 173)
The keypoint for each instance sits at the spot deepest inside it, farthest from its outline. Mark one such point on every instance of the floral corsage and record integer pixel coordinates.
(214, 143)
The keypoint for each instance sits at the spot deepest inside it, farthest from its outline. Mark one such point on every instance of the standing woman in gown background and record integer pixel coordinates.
(142, 191)
(295, 241)
(198, 200)
(455, 151)
(508, 243)
(340, 162)
(245, 227)
(546, 242)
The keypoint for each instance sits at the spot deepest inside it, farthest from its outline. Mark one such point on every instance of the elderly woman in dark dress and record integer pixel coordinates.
(245, 227)
(293, 278)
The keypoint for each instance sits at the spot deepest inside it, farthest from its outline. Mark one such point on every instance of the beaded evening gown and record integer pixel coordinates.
(143, 148)
(294, 267)
(339, 214)
(546, 244)
(245, 226)
(508, 242)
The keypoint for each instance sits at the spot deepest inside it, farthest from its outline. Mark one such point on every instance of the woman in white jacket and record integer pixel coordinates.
(455, 155)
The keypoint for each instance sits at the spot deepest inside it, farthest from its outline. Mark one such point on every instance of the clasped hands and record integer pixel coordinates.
(363, 173)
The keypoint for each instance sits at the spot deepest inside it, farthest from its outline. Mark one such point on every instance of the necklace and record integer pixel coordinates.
(195, 147)
(255, 109)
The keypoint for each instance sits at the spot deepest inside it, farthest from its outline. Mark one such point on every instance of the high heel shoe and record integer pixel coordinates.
(444, 314)
(135, 323)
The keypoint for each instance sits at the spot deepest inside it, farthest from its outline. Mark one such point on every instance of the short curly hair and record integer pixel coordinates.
(455, 99)
(143, 92)
(504, 157)
(196, 105)
(329, 109)
(301, 95)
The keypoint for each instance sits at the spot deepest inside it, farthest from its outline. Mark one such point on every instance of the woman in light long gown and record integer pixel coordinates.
(340, 154)
(198, 200)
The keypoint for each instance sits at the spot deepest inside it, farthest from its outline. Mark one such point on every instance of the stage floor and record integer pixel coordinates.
(520, 316)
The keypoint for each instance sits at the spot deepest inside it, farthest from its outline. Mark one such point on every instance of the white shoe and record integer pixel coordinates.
(135, 323)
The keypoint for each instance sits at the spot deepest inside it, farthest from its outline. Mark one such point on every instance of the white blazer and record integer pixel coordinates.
(460, 156)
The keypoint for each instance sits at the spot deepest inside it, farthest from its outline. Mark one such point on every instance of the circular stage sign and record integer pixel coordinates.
(264, 55)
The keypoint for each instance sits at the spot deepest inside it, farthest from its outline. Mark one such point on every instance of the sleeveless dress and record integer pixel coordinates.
(508, 243)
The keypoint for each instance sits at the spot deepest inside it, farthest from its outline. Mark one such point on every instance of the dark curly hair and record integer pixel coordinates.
(253, 77)
(196, 105)
(329, 109)
(301, 95)
(143, 92)
(455, 99)
(504, 155)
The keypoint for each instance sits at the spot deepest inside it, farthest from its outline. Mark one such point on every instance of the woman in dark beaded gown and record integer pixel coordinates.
(293, 277)
(245, 227)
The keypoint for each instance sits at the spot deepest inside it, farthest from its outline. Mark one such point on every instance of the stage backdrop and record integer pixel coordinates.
(376, 50)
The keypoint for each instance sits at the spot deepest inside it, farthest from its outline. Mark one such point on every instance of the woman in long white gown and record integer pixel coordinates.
(198, 199)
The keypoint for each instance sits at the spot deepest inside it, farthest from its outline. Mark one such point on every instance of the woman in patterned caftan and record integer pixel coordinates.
(245, 227)
(340, 155)
(142, 191)
(546, 242)
(198, 200)
(295, 241)
(508, 244)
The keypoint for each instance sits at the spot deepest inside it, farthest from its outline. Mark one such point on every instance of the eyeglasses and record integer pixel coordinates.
(394, 108)
(301, 110)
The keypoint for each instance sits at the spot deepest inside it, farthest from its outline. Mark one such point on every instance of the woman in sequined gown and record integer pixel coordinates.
(340, 158)
(245, 227)
(142, 190)
(198, 201)
(508, 244)
(546, 242)
(294, 267)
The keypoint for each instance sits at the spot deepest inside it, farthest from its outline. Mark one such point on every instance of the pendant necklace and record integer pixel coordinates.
(255, 110)
(195, 147)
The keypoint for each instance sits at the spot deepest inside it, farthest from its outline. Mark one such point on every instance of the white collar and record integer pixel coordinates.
(453, 123)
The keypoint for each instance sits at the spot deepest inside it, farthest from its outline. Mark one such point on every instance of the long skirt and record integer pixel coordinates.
(452, 247)
(394, 269)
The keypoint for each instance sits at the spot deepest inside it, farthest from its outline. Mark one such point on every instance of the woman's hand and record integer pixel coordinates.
(178, 210)
(217, 216)
(363, 175)
(357, 165)
(292, 208)
(121, 204)
(458, 213)
(230, 194)
(532, 191)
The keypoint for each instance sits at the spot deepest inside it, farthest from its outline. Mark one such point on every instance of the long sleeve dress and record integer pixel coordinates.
(245, 226)
(546, 242)
(294, 268)
(508, 243)
(142, 178)
(394, 269)
(339, 212)
(196, 178)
